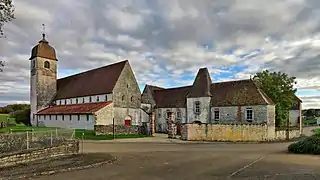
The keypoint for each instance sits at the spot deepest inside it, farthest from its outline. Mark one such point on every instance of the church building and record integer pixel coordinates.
(101, 96)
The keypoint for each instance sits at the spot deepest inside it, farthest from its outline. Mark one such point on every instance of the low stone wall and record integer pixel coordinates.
(234, 132)
(120, 129)
(281, 135)
(25, 156)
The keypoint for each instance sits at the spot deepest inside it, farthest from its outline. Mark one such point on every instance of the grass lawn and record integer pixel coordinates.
(4, 117)
(309, 121)
(89, 135)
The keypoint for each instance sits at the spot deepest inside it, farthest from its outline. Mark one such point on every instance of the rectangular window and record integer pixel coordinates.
(90, 99)
(62, 117)
(249, 114)
(216, 115)
(49, 117)
(70, 117)
(178, 114)
(98, 99)
(59, 102)
(106, 97)
(197, 107)
(44, 117)
(70, 101)
(77, 101)
(78, 117)
(87, 117)
(56, 117)
(82, 100)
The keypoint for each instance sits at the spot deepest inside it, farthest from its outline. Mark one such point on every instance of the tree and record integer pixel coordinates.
(6, 13)
(22, 116)
(279, 87)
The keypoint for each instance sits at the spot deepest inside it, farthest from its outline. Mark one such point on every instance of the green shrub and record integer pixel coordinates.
(308, 145)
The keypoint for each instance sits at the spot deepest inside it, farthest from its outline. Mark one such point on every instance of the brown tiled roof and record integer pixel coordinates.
(230, 93)
(237, 93)
(171, 98)
(201, 85)
(97, 81)
(84, 108)
(44, 50)
(154, 88)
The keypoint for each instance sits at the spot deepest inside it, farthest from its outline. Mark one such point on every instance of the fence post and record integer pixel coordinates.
(82, 138)
(27, 140)
(51, 138)
(32, 135)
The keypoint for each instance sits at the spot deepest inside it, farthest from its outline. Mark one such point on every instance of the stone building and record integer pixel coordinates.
(206, 102)
(101, 96)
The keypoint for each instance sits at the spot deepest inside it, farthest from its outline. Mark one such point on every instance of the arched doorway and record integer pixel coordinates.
(127, 120)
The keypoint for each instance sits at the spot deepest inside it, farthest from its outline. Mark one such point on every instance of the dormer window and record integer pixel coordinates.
(47, 65)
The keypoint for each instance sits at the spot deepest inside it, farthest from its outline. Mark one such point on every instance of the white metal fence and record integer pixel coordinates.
(17, 141)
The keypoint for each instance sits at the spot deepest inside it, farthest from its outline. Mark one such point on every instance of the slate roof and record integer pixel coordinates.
(84, 108)
(230, 93)
(97, 81)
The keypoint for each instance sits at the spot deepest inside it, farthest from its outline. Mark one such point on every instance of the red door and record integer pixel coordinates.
(127, 122)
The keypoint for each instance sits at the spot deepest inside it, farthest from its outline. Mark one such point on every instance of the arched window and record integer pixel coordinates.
(131, 98)
(47, 64)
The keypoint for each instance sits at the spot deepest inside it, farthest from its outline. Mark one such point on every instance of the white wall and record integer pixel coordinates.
(105, 115)
(83, 123)
(121, 113)
(161, 120)
(204, 115)
(102, 98)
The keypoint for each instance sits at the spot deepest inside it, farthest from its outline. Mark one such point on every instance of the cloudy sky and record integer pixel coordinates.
(166, 41)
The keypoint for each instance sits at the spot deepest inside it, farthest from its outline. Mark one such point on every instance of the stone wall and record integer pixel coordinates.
(25, 156)
(121, 129)
(234, 132)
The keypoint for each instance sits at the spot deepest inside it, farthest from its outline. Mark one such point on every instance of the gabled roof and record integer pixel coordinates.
(201, 85)
(97, 81)
(230, 93)
(84, 108)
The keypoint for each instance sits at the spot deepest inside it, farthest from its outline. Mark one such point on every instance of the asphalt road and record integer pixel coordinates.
(158, 161)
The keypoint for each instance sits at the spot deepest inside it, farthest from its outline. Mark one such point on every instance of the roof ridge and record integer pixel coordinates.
(90, 70)
(173, 88)
(231, 81)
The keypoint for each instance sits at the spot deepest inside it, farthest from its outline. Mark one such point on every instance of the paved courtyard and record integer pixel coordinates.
(157, 161)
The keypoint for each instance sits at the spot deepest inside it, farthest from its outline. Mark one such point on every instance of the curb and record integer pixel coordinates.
(46, 173)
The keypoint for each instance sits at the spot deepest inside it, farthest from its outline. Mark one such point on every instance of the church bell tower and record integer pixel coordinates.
(43, 79)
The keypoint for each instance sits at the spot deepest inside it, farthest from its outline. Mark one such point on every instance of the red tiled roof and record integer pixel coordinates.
(97, 81)
(85, 108)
